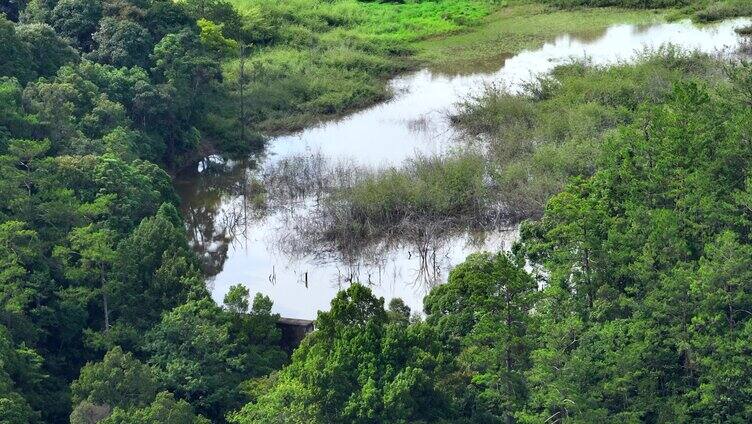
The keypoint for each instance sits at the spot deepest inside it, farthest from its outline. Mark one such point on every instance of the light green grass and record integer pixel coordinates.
(516, 28)
(319, 59)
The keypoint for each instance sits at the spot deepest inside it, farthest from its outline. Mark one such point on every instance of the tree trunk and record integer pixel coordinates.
(106, 312)
(241, 88)
(105, 303)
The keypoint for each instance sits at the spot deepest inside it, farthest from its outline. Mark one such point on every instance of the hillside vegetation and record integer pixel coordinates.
(627, 300)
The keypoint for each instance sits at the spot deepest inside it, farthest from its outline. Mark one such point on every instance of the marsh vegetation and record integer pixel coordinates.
(521, 148)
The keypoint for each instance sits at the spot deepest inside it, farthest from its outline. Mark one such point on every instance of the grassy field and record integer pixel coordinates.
(320, 59)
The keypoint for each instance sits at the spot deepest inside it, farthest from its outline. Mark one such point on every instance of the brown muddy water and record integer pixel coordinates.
(243, 243)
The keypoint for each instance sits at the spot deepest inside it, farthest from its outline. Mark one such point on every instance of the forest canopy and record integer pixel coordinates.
(626, 299)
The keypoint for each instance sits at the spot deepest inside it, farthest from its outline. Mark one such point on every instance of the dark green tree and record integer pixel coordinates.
(17, 58)
(482, 316)
(122, 43)
(164, 410)
(77, 20)
(357, 367)
(48, 50)
(198, 356)
(12, 8)
(21, 379)
(721, 331)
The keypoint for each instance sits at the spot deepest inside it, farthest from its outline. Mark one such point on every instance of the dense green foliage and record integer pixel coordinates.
(202, 353)
(164, 410)
(97, 101)
(635, 307)
(651, 252)
(358, 367)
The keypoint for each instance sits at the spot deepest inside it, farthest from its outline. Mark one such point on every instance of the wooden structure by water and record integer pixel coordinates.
(293, 332)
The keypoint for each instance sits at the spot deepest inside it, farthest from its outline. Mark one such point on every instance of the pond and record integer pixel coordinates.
(239, 244)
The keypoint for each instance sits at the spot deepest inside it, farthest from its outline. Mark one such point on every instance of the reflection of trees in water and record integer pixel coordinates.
(213, 219)
(329, 228)
(300, 198)
(424, 248)
(223, 199)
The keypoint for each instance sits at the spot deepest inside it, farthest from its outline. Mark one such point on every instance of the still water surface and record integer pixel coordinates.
(241, 246)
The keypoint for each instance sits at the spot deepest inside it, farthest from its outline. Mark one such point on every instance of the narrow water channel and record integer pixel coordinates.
(242, 246)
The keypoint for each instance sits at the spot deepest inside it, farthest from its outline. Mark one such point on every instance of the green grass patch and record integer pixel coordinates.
(316, 59)
(717, 11)
(537, 141)
(425, 198)
(516, 28)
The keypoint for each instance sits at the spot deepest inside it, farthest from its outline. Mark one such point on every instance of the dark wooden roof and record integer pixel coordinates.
(295, 321)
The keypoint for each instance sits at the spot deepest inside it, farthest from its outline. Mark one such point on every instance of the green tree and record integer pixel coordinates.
(120, 42)
(357, 367)
(21, 377)
(237, 299)
(254, 331)
(214, 41)
(14, 122)
(22, 271)
(48, 50)
(198, 358)
(164, 410)
(184, 63)
(118, 380)
(89, 258)
(77, 20)
(482, 316)
(156, 271)
(167, 17)
(621, 252)
(221, 12)
(399, 311)
(17, 59)
(721, 331)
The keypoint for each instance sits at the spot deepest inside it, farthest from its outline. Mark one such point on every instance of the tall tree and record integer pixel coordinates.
(118, 380)
(482, 316)
(17, 60)
(121, 42)
(89, 257)
(357, 367)
(47, 49)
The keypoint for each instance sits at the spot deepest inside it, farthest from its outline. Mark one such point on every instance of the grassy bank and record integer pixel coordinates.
(318, 59)
(315, 59)
(310, 60)
(532, 144)
(512, 29)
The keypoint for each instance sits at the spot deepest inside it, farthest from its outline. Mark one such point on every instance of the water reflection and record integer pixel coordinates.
(212, 226)
(248, 220)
